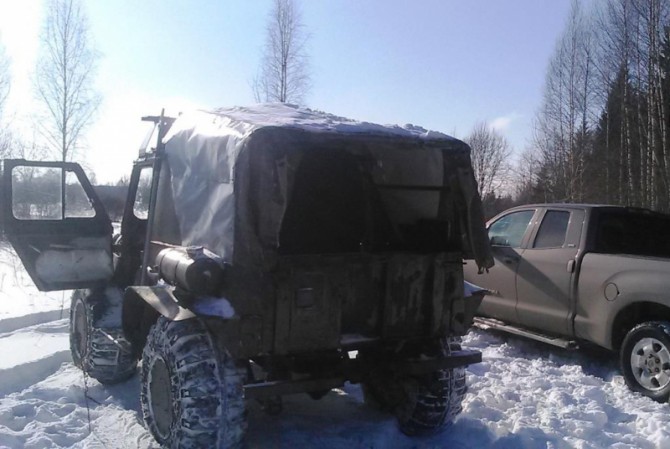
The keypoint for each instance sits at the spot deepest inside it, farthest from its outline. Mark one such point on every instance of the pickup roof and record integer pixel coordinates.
(570, 273)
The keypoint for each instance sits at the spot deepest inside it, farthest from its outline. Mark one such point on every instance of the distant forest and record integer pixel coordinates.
(602, 133)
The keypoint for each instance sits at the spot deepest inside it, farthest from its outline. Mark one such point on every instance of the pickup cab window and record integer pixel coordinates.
(510, 229)
(641, 234)
(553, 229)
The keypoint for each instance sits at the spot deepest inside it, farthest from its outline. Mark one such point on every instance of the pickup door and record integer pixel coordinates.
(535, 250)
(546, 272)
(508, 235)
(55, 222)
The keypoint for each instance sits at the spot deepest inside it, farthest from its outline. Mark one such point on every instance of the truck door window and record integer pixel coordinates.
(510, 229)
(552, 230)
(37, 194)
(141, 204)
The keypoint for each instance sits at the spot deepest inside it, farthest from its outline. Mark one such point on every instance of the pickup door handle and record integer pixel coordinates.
(510, 260)
(571, 265)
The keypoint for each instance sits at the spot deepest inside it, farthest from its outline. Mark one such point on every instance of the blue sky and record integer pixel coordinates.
(441, 64)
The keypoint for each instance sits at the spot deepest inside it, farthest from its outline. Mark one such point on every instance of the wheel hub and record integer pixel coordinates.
(650, 363)
(160, 398)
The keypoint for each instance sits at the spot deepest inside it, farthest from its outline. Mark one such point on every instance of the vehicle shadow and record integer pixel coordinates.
(341, 420)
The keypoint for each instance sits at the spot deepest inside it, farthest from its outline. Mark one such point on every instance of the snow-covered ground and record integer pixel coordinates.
(523, 396)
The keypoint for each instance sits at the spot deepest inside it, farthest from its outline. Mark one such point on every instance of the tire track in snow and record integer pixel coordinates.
(22, 376)
(19, 322)
(33, 353)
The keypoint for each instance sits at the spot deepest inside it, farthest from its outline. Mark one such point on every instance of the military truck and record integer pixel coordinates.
(264, 251)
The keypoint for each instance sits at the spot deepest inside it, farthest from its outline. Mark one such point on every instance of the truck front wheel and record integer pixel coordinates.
(191, 393)
(97, 343)
(645, 359)
(422, 404)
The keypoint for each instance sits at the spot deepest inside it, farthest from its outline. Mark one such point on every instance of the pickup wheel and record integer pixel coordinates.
(645, 359)
(422, 404)
(97, 344)
(191, 393)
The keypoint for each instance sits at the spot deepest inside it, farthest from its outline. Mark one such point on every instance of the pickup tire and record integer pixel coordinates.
(423, 404)
(191, 393)
(645, 359)
(97, 344)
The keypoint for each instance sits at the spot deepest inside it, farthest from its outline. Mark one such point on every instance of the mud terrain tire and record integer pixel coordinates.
(422, 404)
(645, 359)
(192, 394)
(97, 344)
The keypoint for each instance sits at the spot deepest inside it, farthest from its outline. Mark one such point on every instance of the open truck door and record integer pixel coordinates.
(56, 223)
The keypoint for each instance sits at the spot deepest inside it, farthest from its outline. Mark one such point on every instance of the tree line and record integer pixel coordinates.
(602, 133)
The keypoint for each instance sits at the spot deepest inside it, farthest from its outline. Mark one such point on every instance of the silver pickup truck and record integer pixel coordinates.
(571, 273)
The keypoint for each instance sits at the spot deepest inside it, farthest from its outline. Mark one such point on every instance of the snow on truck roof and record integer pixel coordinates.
(207, 152)
(242, 121)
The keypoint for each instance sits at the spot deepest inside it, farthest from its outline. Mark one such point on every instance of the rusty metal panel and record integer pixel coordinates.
(408, 298)
(309, 305)
(283, 314)
(423, 295)
(363, 293)
(315, 311)
(320, 298)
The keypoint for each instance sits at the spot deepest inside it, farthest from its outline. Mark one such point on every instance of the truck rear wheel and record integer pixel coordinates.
(645, 359)
(97, 343)
(422, 404)
(191, 393)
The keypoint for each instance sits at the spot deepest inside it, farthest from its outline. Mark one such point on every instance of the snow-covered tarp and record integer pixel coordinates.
(232, 168)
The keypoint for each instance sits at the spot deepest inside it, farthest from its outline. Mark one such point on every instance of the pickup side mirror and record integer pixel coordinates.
(499, 240)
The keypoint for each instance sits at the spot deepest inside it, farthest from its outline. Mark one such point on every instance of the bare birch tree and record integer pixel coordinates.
(616, 29)
(567, 113)
(630, 36)
(654, 155)
(603, 131)
(5, 78)
(5, 81)
(490, 155)
(284, 74)
(525, 173)
(65, 75)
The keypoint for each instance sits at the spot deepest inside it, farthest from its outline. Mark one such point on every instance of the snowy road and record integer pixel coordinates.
(524, 395)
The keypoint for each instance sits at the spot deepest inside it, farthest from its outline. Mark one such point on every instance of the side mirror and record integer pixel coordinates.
(499, 240)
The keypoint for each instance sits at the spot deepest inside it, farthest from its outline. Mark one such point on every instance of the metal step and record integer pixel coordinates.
(491, 323)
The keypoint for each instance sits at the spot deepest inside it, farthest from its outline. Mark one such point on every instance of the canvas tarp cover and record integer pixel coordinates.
(232, 174)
